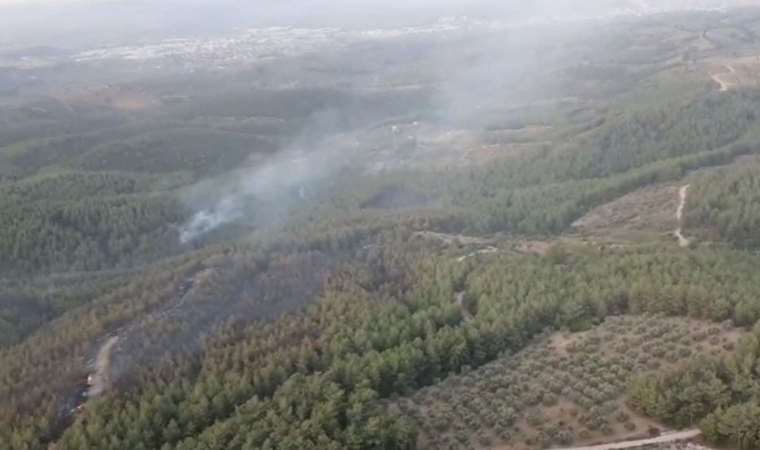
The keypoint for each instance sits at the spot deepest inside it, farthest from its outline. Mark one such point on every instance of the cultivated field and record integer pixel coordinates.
(566, 389)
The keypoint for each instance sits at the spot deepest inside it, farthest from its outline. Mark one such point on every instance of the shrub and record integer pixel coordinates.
(622, 417)
(549, 400)
(535, 418)
(565, 437)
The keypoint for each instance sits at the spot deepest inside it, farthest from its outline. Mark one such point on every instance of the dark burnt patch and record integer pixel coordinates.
(396, 198)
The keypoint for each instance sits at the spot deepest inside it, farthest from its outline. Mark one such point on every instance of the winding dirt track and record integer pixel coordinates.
(718, 77)
(459, 299)
(678, 233)
(665, 438)
(489, 249)
(101, 379)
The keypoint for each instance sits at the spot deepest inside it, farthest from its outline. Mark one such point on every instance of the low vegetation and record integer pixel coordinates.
(718, 394)
(724, 206)
(568, 388)
(388, 303)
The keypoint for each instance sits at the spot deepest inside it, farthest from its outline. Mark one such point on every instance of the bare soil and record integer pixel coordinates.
(675, 446)
(453, 239)
(640, 214)
(100, 380)
(732, 73)
(540, 248)
(666, 438)
(683, 193)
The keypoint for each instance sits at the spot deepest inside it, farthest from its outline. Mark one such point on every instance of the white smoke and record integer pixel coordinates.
(209, 219)
(274, 187)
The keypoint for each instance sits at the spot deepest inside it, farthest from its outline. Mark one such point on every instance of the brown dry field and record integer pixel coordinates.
(731, 73)
(646, 213)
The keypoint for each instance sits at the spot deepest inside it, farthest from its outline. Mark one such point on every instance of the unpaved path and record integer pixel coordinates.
(101, 379)
(718, 77)
(723, 85)
(671, 437)
(450, 239)
(678, 233)
(460, 239)
(459, 299)
(489, 249)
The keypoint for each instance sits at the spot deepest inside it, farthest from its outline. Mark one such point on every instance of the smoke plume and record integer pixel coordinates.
(265, 193)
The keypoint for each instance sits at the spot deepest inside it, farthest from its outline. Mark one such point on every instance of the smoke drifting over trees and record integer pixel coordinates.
(266, 192)
(270, 224)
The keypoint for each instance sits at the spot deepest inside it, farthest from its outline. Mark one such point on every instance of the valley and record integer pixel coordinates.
(465, 233)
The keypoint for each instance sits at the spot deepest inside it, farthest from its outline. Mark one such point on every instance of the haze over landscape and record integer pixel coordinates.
(312, 224)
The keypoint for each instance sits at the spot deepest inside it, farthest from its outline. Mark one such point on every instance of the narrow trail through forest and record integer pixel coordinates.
(489, 249)
(102, 367)
(718, 77)
(678, 233)
(459, 299)
(670, 437)
(100, 380)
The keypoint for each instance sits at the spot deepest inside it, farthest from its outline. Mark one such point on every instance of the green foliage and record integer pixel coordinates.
(88, 234)
(720, 395)
(196, 150)
(545, 193)
(738, 426)
(71, 186)
(683, 396)
(313, 379)
(726, 206)
(306, 341)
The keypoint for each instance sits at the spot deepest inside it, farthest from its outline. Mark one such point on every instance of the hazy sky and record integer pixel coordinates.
(102, 22)
(93, 23)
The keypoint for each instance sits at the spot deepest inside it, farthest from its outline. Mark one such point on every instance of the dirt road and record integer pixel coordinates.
(459, 299)
(718, 78)
(678, 233)
(665, 438)
(101, 379)
(451, 239)
(489, 249)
